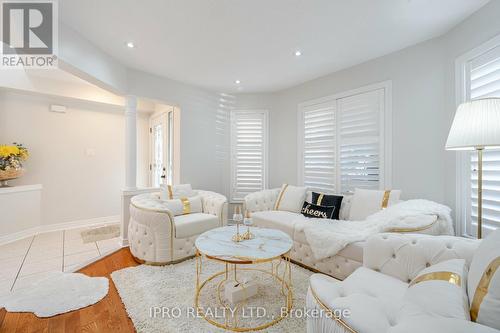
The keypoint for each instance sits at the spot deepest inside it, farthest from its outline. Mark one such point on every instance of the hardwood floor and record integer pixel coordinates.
(108, 315)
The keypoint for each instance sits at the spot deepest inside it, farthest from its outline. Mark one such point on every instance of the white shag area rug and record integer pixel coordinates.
(147, 290)
(57, 293)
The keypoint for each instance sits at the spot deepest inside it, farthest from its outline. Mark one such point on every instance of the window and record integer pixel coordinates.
(319, 137)
(343, 141)
(248, 153)
(479, 77)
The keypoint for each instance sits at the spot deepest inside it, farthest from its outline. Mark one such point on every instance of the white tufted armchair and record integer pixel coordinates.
(157, 237)
(375, 293)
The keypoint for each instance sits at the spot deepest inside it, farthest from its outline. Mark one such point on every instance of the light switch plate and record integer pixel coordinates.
(58, 108)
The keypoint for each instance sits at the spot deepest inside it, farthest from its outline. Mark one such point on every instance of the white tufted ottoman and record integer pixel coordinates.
(157, 237)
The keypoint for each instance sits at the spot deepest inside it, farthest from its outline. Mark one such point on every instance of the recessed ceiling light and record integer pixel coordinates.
(298, 53)
(130, 45)
(237, 81)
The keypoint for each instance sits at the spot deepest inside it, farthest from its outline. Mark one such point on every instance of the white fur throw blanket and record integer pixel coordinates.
(327, 237)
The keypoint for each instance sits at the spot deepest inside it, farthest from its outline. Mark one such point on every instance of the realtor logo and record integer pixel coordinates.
(29, 34)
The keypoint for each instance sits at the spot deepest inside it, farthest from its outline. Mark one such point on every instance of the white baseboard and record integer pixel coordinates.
(124, 242)
(59, 226)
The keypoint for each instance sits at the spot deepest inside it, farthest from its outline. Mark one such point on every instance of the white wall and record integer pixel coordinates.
(75, 186)
(417, 74)
(203, 128)
(423, 107)
(81, 57)
(203, 153)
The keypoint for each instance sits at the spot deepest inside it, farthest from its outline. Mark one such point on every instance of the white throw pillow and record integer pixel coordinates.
(367, 202)
(439, 290)
(291, 198)
(169, 192)
(184, 206)
(484, 282)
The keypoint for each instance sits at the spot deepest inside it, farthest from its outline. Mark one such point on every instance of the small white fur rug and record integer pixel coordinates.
(57, 293)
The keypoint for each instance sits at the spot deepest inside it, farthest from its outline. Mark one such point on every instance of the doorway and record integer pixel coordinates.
(161, 132)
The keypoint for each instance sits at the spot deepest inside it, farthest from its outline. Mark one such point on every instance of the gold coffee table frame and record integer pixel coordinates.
(230, 274)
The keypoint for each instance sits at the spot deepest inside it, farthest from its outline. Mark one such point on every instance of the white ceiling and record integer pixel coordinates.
(211, 43)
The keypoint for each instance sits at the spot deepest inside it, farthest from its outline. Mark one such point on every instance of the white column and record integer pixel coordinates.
(131, 142)
(130, 164)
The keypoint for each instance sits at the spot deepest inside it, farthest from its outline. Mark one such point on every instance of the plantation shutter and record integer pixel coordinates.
(319, 146)
(342, 143)
(248, 153)
(483, 82)
(360, 140)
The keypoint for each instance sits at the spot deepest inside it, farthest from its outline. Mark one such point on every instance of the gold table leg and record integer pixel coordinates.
(285, 283)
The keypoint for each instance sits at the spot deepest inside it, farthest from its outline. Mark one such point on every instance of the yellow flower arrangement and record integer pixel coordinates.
(12, 155)
(6, 151)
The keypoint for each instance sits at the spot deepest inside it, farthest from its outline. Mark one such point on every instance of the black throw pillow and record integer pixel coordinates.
(321, 199)
(321, 212)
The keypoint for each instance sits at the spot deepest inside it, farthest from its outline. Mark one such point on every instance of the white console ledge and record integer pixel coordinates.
(21, 211)
(23, 188)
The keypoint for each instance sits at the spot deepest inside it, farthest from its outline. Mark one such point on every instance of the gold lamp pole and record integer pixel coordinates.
(480, 192)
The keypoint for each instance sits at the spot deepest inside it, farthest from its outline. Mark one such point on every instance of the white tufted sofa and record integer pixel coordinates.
(375, 292)
(157, 237)
(261, 204)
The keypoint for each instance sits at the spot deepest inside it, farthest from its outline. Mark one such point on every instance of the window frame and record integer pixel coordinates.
(232, 149)
(385, 128)
(462, 161)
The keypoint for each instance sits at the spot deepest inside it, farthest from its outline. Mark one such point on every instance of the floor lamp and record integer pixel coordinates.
(476, 127)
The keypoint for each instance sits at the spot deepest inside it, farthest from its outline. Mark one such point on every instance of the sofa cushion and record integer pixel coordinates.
(291, 198)
(194, 224)
(322, 199)
(169, 192)
(439, 290)
(184, 205)
(372, 298)
(367, 202)
(345, 207)
(281, 220)
(484, 282)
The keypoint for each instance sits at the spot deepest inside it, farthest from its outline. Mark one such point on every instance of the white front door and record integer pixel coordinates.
(158, 132)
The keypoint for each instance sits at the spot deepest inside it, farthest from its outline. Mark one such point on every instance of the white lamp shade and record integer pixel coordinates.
(476, 125)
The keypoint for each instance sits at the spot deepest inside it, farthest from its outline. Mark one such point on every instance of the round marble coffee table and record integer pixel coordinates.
(268, 245)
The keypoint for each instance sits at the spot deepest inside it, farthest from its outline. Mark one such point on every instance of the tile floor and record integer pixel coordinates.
(28, 260)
